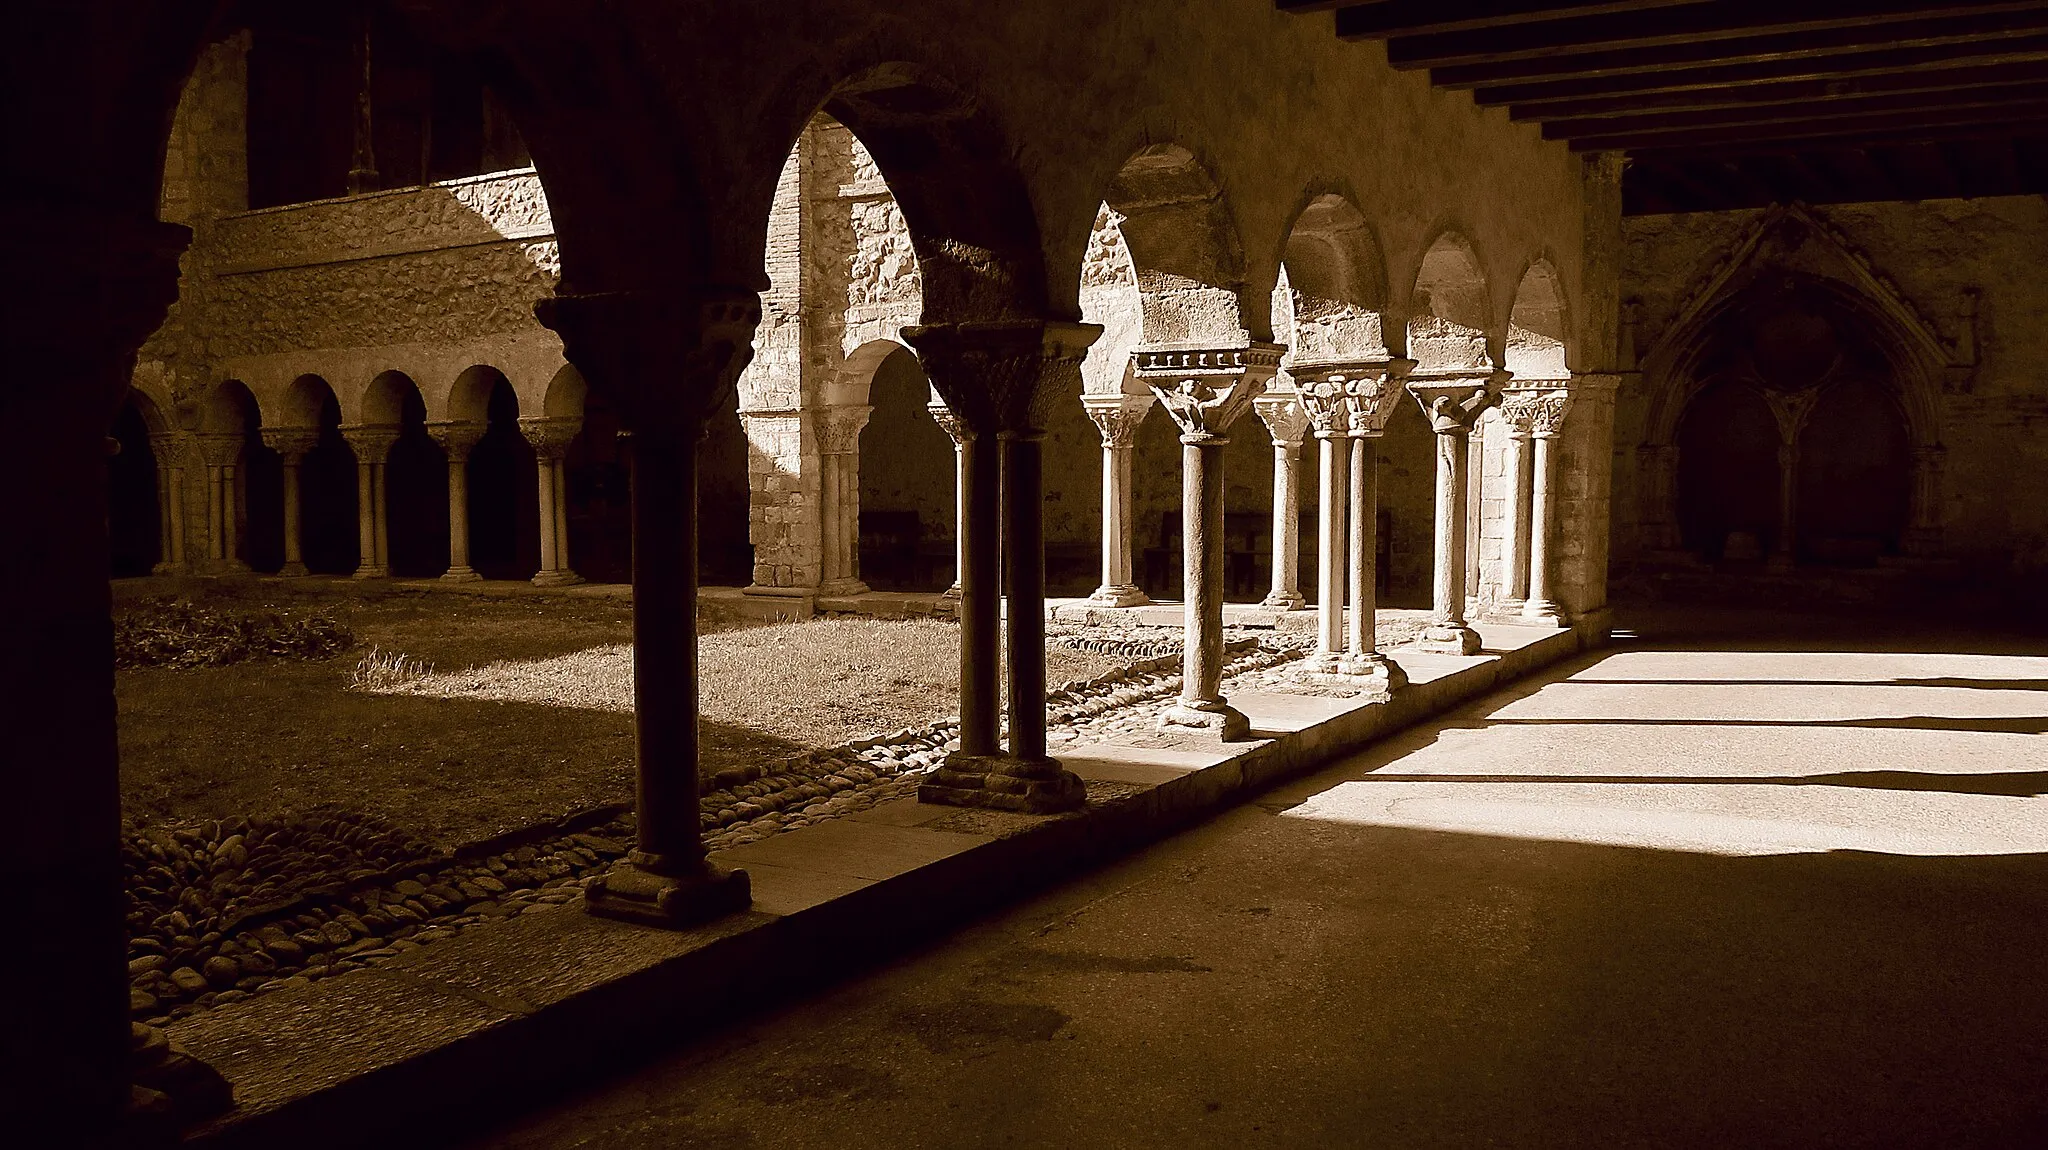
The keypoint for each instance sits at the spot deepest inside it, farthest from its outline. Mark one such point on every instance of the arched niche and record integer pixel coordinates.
(907, 483)
(1449, 308)
(1537, 327)
(1332, 290)
(501, 478)
(1182, 245)
(1728, 473)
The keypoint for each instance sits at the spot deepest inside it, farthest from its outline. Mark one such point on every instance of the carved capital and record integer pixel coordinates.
(1285, 419)
(1454, 400)
(371, 441)
(220, 448)
(1204, 389)
(166, 446)
(1004, 376)
(948, 422)
(666, 359)
(1350, 396)
(457, 437)
(291, 442)
(550, 436)
(839, 428)
(1117, 417)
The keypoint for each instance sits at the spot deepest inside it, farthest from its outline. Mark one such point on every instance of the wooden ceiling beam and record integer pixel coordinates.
(1990, 101)
(1775, 48)
(1416, 17)
(1737, 96)
(1694, 24)
(1876, 133)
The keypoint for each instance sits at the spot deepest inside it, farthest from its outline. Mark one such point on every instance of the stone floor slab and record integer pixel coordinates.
(854, 849)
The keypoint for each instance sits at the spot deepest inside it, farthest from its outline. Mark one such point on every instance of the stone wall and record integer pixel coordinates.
(1942, 260)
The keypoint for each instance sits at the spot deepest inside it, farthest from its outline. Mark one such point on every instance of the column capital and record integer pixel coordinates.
(1535, 410)
(550, 435)
(1117, 416)
(166, 445)
(293, 443)
(1003, 376)
(1454, 399)
(665, 358)
(1352, 397)
(457, 437)
(370, 441)
(1204, 389)
(839, 427)
(947, 421)
(1285, 419)
(220, 448)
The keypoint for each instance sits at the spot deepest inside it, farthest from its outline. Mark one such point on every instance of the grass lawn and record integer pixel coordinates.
(450, 762)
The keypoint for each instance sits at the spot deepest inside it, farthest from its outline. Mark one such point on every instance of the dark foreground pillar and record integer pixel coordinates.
(665, 360)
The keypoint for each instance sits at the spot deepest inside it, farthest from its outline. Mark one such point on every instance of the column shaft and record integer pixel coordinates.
(1023, 495)
(381, 506)
(664, 511)
(1364, 504)
(544, 487)
(957, 589)
(1286, 587)
(1542, 529)
(216, 529)
(1201, 692)
(458, 519)
(1520, 507)
(294, 546)
(177, 525)
(1448, 598)
(1331, 550)
(981, 602)
(366, 519)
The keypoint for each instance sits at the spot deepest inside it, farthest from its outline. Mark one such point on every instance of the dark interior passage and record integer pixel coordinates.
(1728, 474)
(1855, 476)
(134, 521)
(416, 495)
(906, 484)
(504, 504)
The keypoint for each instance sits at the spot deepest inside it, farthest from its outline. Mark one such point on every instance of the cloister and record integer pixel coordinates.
(1022, 308)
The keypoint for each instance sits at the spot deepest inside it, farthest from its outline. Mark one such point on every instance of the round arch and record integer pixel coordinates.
(1539, 324)
(1450, 307)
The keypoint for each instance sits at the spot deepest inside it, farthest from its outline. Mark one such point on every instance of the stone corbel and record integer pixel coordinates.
(1204, 390)
(1454, 400)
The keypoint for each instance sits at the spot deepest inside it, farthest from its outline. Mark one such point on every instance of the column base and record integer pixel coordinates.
(167, 568)
(1000, 782)
(372, 571)
(562, 578)
(293, 571)
(952, 594)
(841, 588)
(1284, 601)
(1117, 595)
(1503, 610)
(460, 575)
(1542, 611)
(637, 891)
(169, 1089)
(1448, 639)
(1227, 721)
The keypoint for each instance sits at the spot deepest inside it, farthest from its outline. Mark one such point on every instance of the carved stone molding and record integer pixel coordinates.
(839, 428)
(666, 359)
(1117, 417)
(1202, 389)
(1004, 376)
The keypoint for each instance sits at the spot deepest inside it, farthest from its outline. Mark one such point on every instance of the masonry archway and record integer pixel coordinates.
(503, 508)
(328, 535)
(415, 478)
(907, 483)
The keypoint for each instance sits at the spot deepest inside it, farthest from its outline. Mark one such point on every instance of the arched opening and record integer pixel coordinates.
(415, 479)
(1536, 327)
(328, 537)
(1728, 473)
(907, 482)
(134, 507)
(502, 484)
(600, 483)
(245, 481)
(1855, 476)
(1406, 539)
(1450, 309)
(725, 551)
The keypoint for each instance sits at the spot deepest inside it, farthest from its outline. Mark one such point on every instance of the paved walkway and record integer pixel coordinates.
(1717, 896)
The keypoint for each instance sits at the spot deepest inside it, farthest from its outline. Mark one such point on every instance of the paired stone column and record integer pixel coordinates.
(1545, 412)
(1001, 381)
(1348, 404)
(665, 361)
(1117, 417)
(1203, 390)
(550, 438)
(943, 416)
(170, 498)
(1286, 423)
(1452, 401)
(292, 445)
(458, 439)
(372, 447)
(1516, 415)
(223, 455)
(839, 431)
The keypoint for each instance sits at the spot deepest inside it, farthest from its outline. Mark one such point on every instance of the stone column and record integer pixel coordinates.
(170, 495)
(665, 361)
(372, 446)
(1117, 417)
(292, 444)
(1546, 421)
(1348, 404)
(839, 431)
(1002, 380)
(1517, 410)
(458, 439)
(223, 454)
(550, 438)
(1453, 402)
(1203, 390)
(1923, 529)
(1286, 423)
(1328, 412)
(86, 287)
(943, 416)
